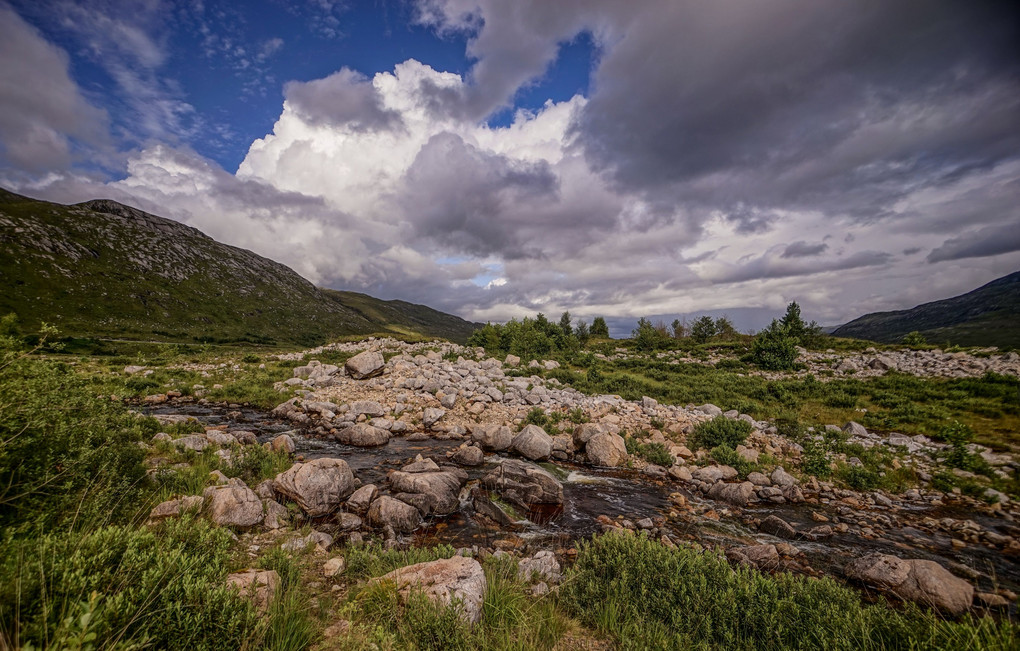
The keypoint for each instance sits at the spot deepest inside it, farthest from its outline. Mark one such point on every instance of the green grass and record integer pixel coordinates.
(990, 405)
(647, 596)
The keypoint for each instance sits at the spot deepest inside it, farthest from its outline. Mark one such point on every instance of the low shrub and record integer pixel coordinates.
(648, 596)
(651, 452)
(720, 431)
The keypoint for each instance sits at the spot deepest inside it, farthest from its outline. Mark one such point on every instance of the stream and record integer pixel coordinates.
(593, 492)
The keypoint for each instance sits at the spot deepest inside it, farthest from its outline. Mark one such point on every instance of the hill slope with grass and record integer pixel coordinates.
(987, 316)
(106, 270)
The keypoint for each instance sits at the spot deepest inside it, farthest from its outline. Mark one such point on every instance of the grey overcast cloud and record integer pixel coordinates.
(731, 155)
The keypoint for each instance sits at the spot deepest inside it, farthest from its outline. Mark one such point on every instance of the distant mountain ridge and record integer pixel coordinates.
(104, 269)
(987, 316)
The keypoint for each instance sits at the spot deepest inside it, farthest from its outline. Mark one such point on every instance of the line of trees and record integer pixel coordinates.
(531, 338)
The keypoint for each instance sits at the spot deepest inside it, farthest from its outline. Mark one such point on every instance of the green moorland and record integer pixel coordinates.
(80, 568)
(101, 270)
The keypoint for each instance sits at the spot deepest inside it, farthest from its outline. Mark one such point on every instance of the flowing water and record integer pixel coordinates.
(591, 492)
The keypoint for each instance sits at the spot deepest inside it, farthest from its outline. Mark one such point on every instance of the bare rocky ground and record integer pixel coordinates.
(416, 443)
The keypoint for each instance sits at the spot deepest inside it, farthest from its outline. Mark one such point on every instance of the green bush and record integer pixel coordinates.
(720, 431)
(162, 586)
(859, 478)
(647, 596)
(651, 452)
(958, 437)
(774, 349)
(914, 338)
(64, 453)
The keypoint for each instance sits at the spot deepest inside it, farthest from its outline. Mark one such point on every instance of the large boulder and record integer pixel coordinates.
(363, 435)
(233, 504)
(387, 511)
(431, 416)
(714, 473)
(433, 493)
(606, 449)
(735, 494)
(584, 433)
(176, 507)
(318, 487)
(492, 436)
(365, 365)
(283, 443)
(361, 499)
(921, 581)
(524, 484)
(778, 527)
(365, 407)
(457, 579)
(469, 455)
(258, 585)
(532, 443)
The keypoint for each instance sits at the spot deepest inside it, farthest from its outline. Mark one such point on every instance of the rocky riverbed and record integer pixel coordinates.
(415, 444)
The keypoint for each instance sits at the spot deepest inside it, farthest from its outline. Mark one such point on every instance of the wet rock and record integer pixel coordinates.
(365, 365)
(175, 507)
(584, 433)
(712, 474)
(233, 504)
(653, 470)
(782, 478)
(763, 557)
(532, 443)
(524, 484)
(421, 464)
(282, 443)
(318, 487)
(431, 416)
(484, 506)
(389, 512)
(606, 449)
(759, 479)
(258, 585)
(920, 581)
(492, 436)
(469, 455)
(433, 493)
(793, 494)
(363, 435)
(680, 473)
(776, 526)
(457, 580)
(736, 494)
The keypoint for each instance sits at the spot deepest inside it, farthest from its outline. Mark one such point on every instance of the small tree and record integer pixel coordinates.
(724, 329)
(565, 324)
(774, 349)
(646, 337)
(679, 329)
(599, 328)
(582, 332)
(703, 329)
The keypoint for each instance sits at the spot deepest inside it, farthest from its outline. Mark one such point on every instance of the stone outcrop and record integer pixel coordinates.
(318, 486)
(920, 581)
(457, 580)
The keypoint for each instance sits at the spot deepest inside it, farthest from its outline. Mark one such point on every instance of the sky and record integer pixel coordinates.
(495, 159)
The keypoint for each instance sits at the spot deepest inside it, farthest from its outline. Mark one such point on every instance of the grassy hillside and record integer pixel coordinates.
(987, 316)
(103, 269)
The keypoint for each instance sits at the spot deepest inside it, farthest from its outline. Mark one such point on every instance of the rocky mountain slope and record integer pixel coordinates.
(987, 316)
(103, 269)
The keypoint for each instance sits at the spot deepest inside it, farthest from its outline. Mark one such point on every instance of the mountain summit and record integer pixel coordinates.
(987, 316)
(101, 268)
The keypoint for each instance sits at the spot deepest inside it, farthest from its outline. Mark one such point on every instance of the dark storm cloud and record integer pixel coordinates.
(988, 241)
(478, 202)
(825, 104)
(345, 98)
(767, 266)
(802, 249)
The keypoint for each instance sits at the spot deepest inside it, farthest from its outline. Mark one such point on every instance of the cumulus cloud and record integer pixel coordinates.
(42, 110)
(730, 155)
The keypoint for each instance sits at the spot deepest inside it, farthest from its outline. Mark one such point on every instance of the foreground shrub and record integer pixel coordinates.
(648, 596)
(64, 453)
(720, 431)
(651, 452)
(163, 587)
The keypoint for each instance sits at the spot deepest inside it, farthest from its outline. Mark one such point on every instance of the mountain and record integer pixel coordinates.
(103, 269)
(987, 316)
